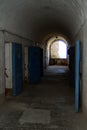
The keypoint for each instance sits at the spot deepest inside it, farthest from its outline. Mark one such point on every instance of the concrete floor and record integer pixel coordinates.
(45, 106)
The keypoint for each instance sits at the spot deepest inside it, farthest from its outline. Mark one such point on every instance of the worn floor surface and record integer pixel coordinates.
(48, 105)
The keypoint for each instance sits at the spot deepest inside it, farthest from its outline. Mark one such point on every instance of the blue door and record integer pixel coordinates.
(17, 75)
(77, 76)
(34, 64)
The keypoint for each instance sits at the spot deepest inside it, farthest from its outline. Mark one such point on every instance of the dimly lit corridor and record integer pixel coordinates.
(43, 64)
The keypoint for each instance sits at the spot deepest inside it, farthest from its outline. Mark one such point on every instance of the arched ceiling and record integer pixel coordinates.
(35, 19)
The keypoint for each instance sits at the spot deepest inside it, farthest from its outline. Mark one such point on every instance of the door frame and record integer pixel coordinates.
(77, 76)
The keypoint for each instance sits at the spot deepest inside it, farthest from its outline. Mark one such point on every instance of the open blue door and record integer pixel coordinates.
(34, 64)
(17, 75)
(77, 76)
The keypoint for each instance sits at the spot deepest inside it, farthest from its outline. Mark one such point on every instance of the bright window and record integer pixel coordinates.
(59, 50)
(62, 50)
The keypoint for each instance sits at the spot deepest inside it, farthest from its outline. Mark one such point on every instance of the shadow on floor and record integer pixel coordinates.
(48, 105)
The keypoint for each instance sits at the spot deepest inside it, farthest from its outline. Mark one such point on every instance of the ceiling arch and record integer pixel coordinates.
(35, 19)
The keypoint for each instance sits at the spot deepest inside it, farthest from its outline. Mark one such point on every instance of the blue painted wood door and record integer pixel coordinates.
(17, 73)
(34, 64)
(77, 76)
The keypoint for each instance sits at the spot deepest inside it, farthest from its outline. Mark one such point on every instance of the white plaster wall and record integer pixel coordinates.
(8, 65)
(2, 65)
(82, 36)
(84, 67)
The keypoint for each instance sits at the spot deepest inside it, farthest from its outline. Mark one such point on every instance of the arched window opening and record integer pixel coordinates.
(58, 50)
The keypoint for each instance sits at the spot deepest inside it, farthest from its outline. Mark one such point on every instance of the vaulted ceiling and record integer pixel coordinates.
(35, 19)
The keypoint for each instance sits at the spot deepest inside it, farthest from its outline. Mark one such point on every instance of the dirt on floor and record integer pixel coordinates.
(48, 105)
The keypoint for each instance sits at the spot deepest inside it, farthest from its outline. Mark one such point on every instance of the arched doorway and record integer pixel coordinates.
(56, 52)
